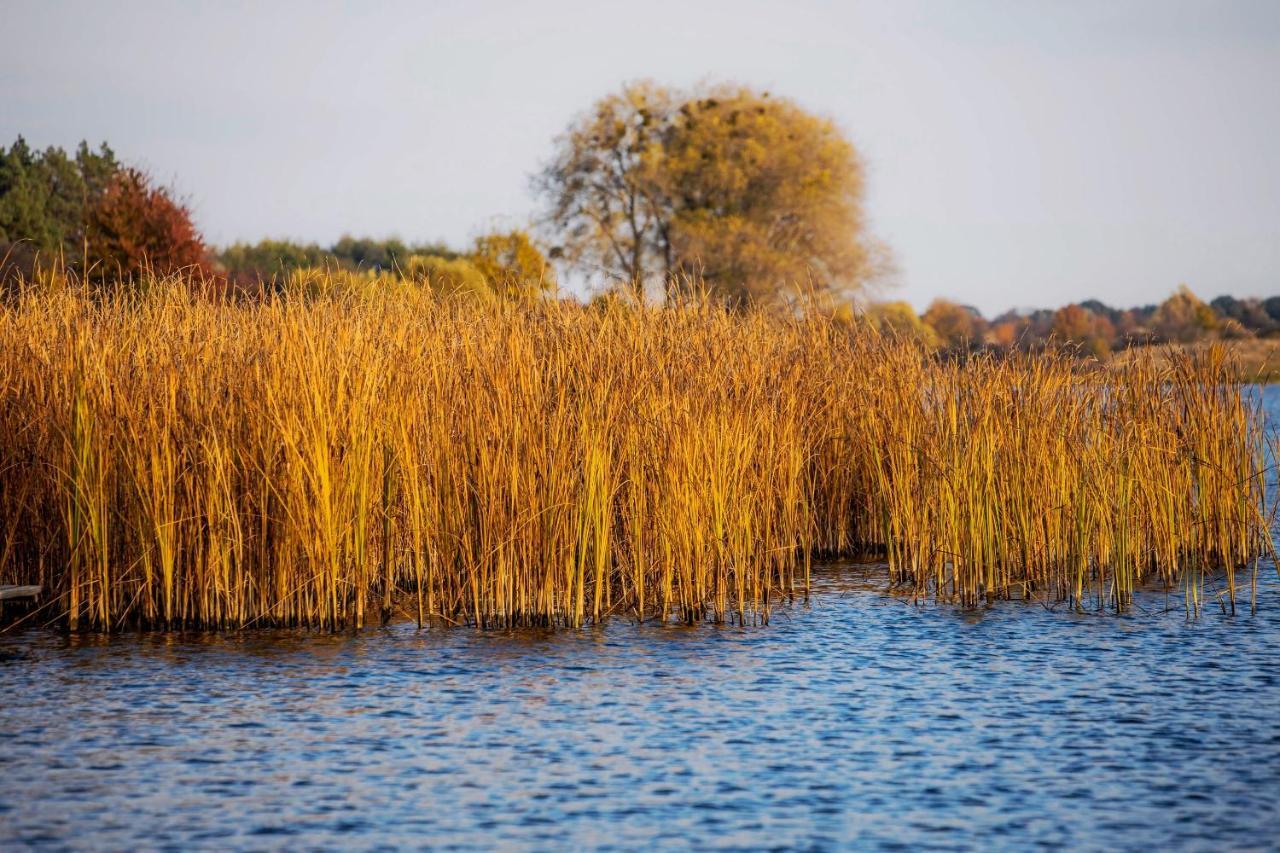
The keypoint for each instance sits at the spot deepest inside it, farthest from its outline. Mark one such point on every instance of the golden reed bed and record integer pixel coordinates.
(333, 458)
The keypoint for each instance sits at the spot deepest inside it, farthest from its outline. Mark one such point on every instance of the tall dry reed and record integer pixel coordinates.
(332, 456)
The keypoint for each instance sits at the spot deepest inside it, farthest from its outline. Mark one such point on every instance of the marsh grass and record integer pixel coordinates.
(328, 456)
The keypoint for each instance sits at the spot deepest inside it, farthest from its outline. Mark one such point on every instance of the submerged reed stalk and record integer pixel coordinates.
(325, 457)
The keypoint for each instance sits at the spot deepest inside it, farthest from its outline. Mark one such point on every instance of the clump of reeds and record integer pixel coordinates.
(329, 456)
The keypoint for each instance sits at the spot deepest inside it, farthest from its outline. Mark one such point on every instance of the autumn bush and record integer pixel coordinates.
(135, 226)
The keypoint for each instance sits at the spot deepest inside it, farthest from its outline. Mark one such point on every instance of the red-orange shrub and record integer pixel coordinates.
(135, 225)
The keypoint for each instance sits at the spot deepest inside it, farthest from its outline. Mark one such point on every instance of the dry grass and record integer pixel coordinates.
(1255, 360)
(324, 460)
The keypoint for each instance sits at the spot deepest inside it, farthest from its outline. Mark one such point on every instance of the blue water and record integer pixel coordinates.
(855, 720)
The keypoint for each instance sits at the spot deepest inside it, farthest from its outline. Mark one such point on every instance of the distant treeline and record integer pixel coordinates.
(502, 261)
(93, 215)
(268, 257)
(1094, 327)
(88, 213)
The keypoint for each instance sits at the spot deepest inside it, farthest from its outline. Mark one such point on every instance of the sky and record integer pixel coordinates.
(1019, 154)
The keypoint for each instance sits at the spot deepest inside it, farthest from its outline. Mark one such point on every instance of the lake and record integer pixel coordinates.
(856, 719)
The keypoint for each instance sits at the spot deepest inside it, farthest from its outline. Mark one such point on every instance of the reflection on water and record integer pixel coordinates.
(858, 716)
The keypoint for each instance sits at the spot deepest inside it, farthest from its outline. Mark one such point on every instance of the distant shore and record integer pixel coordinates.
(1258, 358)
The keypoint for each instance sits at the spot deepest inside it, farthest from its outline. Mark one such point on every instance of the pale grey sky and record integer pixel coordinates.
(1020, 153)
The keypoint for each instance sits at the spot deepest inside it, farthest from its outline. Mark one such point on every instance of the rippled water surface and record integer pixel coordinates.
(856, 719)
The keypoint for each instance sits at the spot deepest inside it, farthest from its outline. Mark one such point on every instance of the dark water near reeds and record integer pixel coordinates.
(856, 720)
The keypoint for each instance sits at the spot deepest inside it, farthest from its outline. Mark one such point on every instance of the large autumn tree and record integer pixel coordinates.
(737, 191)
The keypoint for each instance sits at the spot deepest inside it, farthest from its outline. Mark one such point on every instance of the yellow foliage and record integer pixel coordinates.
(512, 264)
(448, 276)
(957, 326)
(1075, 324)
(900, 320)
(1183, 317)
(722, 189)
(770, 197)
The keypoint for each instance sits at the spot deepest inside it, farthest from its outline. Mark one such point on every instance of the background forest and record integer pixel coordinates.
(653, 193)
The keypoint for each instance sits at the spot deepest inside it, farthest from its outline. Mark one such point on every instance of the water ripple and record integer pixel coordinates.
(855, 718)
